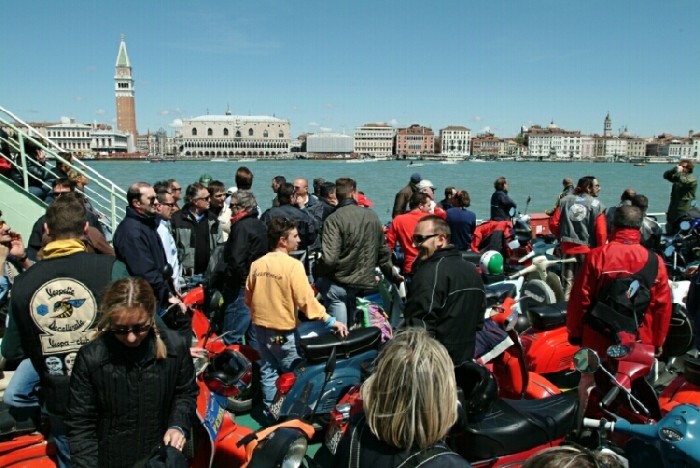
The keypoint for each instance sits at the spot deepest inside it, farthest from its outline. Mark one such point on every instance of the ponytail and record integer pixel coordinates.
(161, 349)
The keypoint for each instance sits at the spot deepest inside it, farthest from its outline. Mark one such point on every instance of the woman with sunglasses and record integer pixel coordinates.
(133, 387)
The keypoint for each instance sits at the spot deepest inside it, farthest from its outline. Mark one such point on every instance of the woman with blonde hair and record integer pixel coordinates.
(133, 387)
(409, 403)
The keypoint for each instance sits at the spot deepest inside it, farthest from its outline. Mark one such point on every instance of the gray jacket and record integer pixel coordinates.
(578, 218)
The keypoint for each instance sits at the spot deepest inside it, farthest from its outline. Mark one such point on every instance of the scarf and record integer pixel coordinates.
(241, 214)
(62, 248)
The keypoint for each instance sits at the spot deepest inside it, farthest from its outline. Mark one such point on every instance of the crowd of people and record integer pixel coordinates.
(110, 301)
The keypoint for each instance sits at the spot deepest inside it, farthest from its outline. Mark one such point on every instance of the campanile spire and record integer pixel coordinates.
(124, 92)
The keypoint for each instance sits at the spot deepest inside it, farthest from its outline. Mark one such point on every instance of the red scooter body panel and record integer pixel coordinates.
(679, 392)
(548, 352)
(31, 450)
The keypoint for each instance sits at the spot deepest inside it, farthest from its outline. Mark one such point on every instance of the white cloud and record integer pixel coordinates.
(393, 123)
(325, 129)
(164, 112)
(100, 112)
(177, 123)
(314, 124)
(477, 118)
(486, 129)
(65, 120)
(78, 98)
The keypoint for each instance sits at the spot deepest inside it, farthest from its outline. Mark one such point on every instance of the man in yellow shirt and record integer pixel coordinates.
(277, 286)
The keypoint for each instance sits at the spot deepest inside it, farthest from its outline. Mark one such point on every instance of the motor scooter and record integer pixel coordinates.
(299, 391)
(670, 442)
(504, 435)
(509, 366)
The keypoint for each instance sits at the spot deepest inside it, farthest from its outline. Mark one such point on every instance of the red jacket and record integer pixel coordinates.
(487, 228)
(623, 256)
(401, 230)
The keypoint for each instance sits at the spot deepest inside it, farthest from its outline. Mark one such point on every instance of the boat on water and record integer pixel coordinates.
(477, 160)
(358, 161)
(414, 165)
(247, 160)
(218, 160)
(639, 164)
(449, 162)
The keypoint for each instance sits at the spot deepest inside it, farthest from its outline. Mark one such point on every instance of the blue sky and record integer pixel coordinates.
(334, 65)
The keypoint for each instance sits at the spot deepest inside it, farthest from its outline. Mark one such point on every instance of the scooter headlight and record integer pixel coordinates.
(284, 448)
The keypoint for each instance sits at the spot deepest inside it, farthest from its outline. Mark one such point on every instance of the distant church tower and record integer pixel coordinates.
(124, 92)
(607, 131)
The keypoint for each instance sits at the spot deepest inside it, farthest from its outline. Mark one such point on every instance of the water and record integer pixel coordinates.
(382, 179)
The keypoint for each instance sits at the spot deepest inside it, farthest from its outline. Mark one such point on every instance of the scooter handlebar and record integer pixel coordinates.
(648, 431)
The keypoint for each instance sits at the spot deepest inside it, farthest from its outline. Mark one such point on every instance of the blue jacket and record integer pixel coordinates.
(138, 245)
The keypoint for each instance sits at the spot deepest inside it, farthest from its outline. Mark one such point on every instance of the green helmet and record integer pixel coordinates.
(205, 179)
(492, 263)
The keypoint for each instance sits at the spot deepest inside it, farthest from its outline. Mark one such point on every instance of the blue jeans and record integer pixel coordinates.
(237, 318)
(57, 430)
(21, 391)
(275, 358)
(339, 300)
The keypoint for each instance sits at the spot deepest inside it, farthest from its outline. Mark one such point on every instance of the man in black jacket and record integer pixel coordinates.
(501, 203)
(55, 306)
(137, 243)
(306, 224)
(446, 296)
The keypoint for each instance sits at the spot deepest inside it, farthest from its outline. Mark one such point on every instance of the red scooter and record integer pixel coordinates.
(510, 367)
(684, 389)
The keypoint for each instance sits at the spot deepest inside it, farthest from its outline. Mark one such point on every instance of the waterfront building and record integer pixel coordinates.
(415, 140)
(69, 135)
(554, 143)
(509, 148)
(124, 94)
(485, 144)
(375, 139)
(607, 126)
(587, 147)
(695, 144)
(105, 142)
(230, 135)
(157, 143)
(455, 140)
(329, 144)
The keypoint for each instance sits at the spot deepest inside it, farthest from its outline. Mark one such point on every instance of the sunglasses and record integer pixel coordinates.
(235, 205)
(136, 329)
(418, 239)
(176, 189)
(204, 198)
(171, 205)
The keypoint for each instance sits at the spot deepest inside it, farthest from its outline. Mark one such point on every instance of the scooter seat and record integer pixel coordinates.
(495, 293)
(471, 256)
(513, 426)
(547, 316)
(318, 348)
(9, 427)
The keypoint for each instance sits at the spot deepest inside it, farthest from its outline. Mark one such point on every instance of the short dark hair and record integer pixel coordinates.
(326, 189)
(161, 186)
(462, 199)
(628, 216)
(66, 217)
(628, 194)
(689, 164)
(278, 227)
(499, 183)
(449, 190)
(280, 179)
(134, 192)
(641, 202)
(192, 192)
(417, 199)
(216, 186)
(585, 184)
(344, 187)
(439, 225)
(63, 182)
(284, 193)
(244, 178)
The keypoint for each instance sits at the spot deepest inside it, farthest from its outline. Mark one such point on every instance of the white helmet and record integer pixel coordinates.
(491, 263)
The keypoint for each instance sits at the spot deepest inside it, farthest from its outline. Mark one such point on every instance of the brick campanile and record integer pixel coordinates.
(124, 92)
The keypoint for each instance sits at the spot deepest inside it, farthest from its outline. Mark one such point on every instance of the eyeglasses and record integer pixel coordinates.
(298, 187)
(418, 239)
(234, 205)
(176, 189)
(203, 198)
(136, 329)
(171, 205)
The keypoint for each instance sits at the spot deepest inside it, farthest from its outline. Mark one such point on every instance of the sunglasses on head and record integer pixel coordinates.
(136, 329)
(419, 238)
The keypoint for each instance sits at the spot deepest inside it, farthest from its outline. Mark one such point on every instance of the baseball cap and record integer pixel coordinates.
(204, 179)
(363, 201)
(425, 183)
(415, 177)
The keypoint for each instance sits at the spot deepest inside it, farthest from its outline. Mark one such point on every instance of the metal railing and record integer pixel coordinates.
(106, 198)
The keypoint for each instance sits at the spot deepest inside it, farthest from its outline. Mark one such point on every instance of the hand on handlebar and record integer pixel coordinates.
(339, 328)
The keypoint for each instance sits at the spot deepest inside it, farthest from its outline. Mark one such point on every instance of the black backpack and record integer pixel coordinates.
(621, 305)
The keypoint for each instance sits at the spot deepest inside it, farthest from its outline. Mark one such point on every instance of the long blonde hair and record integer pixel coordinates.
(130, 293)
(411, 399)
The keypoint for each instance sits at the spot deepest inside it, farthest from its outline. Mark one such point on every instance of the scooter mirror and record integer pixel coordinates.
(167, 271)
(216, 301)
(668, 251)
(511, 212)
(586, 361)
(685, 226)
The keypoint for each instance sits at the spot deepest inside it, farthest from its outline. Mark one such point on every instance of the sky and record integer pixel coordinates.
(333, 65)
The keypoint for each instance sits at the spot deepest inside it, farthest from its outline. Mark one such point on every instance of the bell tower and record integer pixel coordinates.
(607, 126)
(124, 92)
